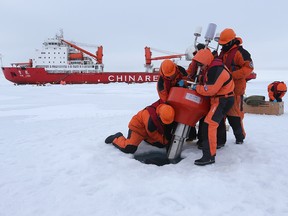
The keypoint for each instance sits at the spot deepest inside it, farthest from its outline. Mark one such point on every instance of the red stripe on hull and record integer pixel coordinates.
(40, 76)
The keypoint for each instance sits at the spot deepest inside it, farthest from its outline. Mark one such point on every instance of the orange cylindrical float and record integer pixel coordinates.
(189, 106)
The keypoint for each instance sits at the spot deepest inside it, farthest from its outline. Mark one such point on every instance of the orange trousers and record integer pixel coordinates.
(131, 143)
(219, 107)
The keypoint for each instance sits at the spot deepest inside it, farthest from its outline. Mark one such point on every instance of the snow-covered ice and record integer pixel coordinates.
(54, 162)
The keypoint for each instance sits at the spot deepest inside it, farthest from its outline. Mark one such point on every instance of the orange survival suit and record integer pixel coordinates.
(276, 91)
(239, 62)
(218, 85)
(150, 124)
(221, 131)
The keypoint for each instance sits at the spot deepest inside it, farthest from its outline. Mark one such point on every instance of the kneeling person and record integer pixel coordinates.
(152, 124)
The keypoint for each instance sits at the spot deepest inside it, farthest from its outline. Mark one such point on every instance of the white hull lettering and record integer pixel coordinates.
(132, 78)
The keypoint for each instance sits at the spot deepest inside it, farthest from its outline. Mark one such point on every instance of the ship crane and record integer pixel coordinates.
(99, 53)
(149, 59)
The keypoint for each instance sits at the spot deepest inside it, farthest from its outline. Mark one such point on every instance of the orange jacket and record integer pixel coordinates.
(217, 81)
(165, 84)
(240, 67)
(142, 124)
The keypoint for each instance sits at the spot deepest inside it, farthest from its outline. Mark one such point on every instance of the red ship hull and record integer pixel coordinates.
(28, 75)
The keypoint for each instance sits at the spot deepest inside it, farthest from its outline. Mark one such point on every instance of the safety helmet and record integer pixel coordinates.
(166, 113)
(281, 87)
(168, 68)
(226, 36)
(204, 56)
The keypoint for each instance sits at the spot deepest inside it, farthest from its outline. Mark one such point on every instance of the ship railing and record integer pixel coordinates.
(68, 67)
(71, 68)
(70, 71)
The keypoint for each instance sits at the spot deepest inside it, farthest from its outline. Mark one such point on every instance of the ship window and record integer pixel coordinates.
(42, 52)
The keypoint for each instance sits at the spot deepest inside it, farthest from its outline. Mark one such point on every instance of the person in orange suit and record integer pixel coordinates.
(151, 124)
(218, 85)
(221, 132)
(170, 74)
(276, 91)
(239, 62)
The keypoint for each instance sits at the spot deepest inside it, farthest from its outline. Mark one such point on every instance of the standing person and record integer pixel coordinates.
(218, 85)
(239, 62)
(150, 124)
(276, 91)
(221, 132)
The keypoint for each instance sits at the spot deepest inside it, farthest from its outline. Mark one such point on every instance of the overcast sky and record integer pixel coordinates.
(125, 27)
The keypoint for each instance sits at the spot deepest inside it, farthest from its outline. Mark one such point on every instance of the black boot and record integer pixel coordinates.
(205, 160)
(110, 138)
